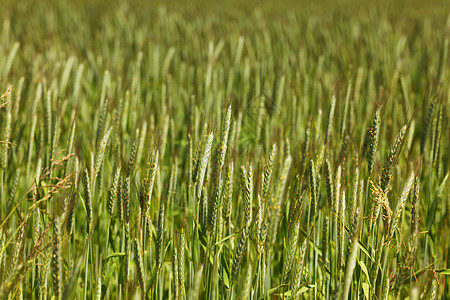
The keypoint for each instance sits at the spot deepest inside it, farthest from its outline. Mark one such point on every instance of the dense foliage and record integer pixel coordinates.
(168, 155)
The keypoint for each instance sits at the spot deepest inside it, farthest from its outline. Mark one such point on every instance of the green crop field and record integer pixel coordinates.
(224, 150)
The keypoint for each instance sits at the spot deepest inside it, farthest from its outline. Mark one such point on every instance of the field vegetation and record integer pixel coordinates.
(199, 151)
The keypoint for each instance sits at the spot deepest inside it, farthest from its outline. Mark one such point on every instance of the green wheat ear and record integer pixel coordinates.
(437, 142)
(276, 202)
(98, 291)
(426, 125)
(70, 211)
(401, 204)
(352, 252)
(113, 192)
(298, 273)
(329, 184)
(228, 194)
(374, 135)
(204, 160)
(213, 207)
(238, 254)
(248, 195)
(330, 119)
(139, 263)
(101, 154)
(258, 226)
(391, 160)
(133, 152)
(57, 260)
(6, 139)
(354, 196)
(176, 283)
(222, 147)
(290, 253)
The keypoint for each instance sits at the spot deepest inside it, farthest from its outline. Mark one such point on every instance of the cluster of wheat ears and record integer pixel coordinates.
(163, 156)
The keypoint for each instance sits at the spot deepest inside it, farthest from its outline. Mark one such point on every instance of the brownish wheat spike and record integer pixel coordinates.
(341, 231)
(294, 203)
(160, 236)
(120, 199)
(414, 217)
(142, 194)
(313, 192)
(126, 264)
(87, 199)
(325, 241)
(6, 93)
(181, 250)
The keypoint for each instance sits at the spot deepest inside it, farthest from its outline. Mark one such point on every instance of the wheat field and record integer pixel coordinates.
(217, 151)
